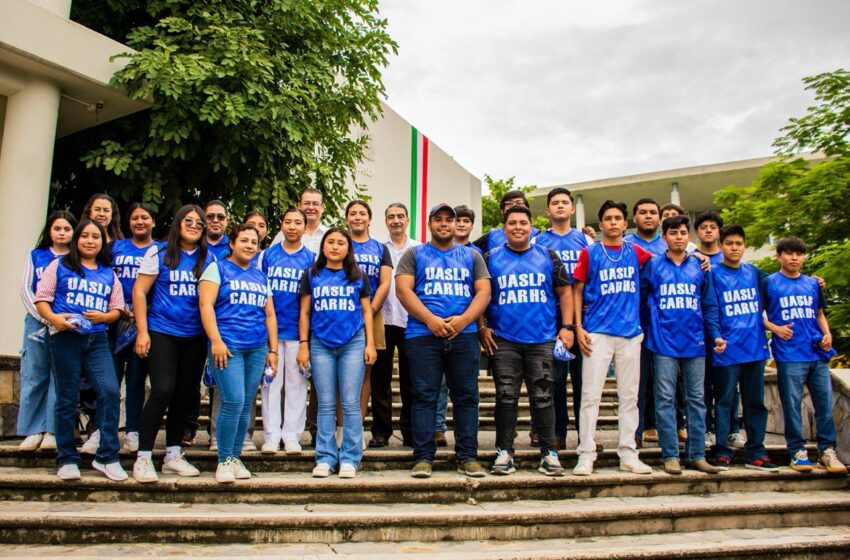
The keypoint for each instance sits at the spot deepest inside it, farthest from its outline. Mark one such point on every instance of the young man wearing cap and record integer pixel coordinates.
(444, 287)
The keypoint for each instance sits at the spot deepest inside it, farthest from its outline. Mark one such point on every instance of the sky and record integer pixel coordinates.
(555, 92)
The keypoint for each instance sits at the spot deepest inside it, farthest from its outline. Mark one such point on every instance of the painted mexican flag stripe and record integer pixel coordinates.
(418, 185)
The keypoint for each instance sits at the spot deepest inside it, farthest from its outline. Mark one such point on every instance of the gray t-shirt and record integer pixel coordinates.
(407, 265)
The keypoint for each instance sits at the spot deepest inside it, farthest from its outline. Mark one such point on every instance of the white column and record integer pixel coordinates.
(674, 194)
(26, 161)
(579, 212)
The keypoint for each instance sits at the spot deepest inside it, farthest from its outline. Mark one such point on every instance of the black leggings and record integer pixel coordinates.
(176, 365)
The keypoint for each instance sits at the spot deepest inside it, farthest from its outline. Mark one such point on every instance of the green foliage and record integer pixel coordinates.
(793, 197)
(252, 102)
(491, 211)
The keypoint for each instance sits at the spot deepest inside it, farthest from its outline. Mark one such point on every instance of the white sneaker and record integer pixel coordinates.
(49, 442)
(584, 467)
(31, 443)
(635, 466)
(213, 445)
(736, 440)
(321, 470)
(91, 444)
(239, 469)
(270, 447)
(113, 471)
(69, 472)
(180, 466)
(292, 447)
(249, 445)
(131, 442)
(224, 473)
(709, 439)
(144, 471)
(347, 470)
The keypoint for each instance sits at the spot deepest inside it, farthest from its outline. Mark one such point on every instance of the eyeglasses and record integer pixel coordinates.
(216, 217)
(311, 203)
(189, 222)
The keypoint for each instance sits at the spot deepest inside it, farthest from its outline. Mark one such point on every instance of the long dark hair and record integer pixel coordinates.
(352, 271)
(114, 227)
(44, 240)
(172, 244)
(72, 259)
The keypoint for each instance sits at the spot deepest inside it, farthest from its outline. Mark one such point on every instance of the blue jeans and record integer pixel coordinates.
(791, 377)
(339, 369)
(456, 360)
(38, 394)
(693, 374)
(750, 376)
(237, 386)
(71, 354)
(442, 407)
(131, 369)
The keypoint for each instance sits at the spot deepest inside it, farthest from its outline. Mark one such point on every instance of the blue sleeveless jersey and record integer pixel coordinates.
(714, 259)
(475, 248)
(336, 314)
(567, 246)
(657, 246)
(76, 294)
(126, 259)
(174, 307)
(368, 256)
(39, 258)
(221, 249)
(240, 308)
(740, 311)
(612, 291)
(443, 283)
(497, 237)
(523, 303)
(284, 272)
(793, 300)
(681, 306)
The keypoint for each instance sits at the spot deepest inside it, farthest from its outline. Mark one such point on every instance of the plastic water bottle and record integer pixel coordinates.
(305, 372)
(268, 375)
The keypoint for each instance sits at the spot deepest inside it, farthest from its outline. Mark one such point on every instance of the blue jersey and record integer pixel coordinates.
(221, 249)
(475, 248)
(284, 271)
(657, 246)
(40, 258)
(369, 255)
(611, 294)
(174, 307)
(443, 283)
(335, 311)
(91, 292)
(794, 300)
(682, 307)
(567, 246)
(126, 258)
(523, 302)
(714, 260)
(240, 308)
(497, 237)
(740, 313)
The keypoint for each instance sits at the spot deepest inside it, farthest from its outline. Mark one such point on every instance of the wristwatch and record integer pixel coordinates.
(569, 327)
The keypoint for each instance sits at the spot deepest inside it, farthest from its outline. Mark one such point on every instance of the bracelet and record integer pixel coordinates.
(272, 351)
(303, 341)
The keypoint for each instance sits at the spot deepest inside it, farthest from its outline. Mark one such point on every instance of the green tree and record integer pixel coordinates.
(252, 102)
(792, 197)
(491, 211)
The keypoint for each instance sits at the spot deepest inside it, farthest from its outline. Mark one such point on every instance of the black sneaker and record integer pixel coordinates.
(721, 462)
(762, 464)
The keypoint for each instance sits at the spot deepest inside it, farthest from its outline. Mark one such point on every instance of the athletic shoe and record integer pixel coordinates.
(69, 472)
(113, 471)
(721, 462)
(471, 468)
(683, 434)
(131, 441)
(829, 461)
(800, 462)
(180, 466)
(322, 470)
(144, 471)
(347, 470)
(240, 471)
(650, 435)
(704, 466)
(504, 463)
(584, 467)
(91, 444)
(440, 439)
(224, 473)
(31, 443)
(270, 447)
(672, 466)
(49, 442)
(635, 466)
(709, 439)
(292, 447)
(249, 445)
(213, 445)
(736, 441)
(762, 464)
(422, 469)
(550, 465)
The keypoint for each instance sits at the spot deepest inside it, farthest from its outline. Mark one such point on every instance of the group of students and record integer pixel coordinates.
(330, 307)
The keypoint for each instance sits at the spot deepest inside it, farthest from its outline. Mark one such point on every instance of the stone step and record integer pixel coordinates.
(485, 380)
(132, 522)
(800, 543)
(396, 486)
